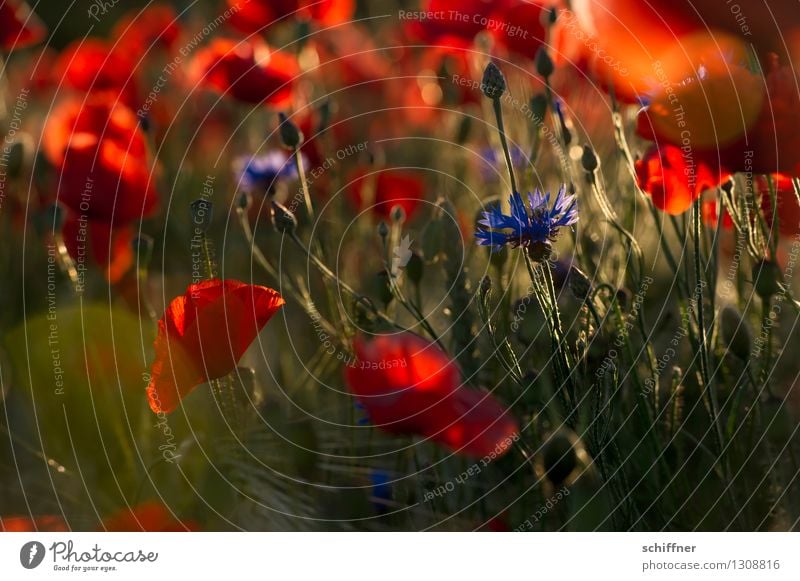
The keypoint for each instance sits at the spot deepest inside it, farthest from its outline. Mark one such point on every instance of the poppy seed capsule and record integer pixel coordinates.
(544, 64)
(735, 333)
(291, 136)
(283, 220)
(767, 279)
(201, 214)
(493, 84)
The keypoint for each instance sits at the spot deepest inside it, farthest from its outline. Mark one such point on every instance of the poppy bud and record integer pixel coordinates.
(735, 333)
(493, 84)
(383, 229)
(559, 457)
(382, 288)
(283, 220)
(538, 106)
(291, 136)
(544, 64)
(579, 283)
(398, 214)
(486, 286)
(767, 279)
(201, 214)
(415, 268)
(143, 247)
(243, 201)
(589, 159)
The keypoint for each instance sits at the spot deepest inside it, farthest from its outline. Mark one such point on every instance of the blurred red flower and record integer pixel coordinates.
(247, 71)
(25, 524)
(108, 245)
(151, 517)
(90, 65)
(454, 22)
(257, 15)
(673, 179)
(19, 26)
(381, 190)
(139, 32)
(203, 334)
(410, 386)
(100, 152)
(518, 26)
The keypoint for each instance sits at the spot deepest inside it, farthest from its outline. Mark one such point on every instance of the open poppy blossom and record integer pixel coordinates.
(100, 152)
(448, 26)
(410, 386)
(518, 26)
(247, 71)
(151, 517)
(203, 334)
(19, 27)
(673, 180)
(383, 190)
(257, 15)
(26, 524)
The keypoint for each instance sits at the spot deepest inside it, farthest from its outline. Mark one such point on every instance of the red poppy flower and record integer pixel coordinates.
(151, 517)
(518, 26)
(382, 190)
(25, 524)
(91, 65)
(257, 15)
(247, 71)
(673, 179)
(409, 386)
(102, 159)
(19, 26)
(139, 32)
(203, 334)
(109, 246)
(454, 22)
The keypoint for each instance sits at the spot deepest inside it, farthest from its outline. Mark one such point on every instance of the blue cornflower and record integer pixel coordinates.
(533, 227)
(263, 172)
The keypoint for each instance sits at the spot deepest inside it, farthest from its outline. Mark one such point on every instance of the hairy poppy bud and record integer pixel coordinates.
(283, 220)
(735, 333)
(589, 159)
(398, 214)
(544, 64)
(201, 214)
(493, 84)
(291, 136)
(579, 283)
(383, 229)
(538, 107)
(559, 456)
(415, 268)
(767, 279)
(243, 201)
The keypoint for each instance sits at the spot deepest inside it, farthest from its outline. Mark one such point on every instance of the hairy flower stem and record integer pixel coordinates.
(548, 301)
(498, 114)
